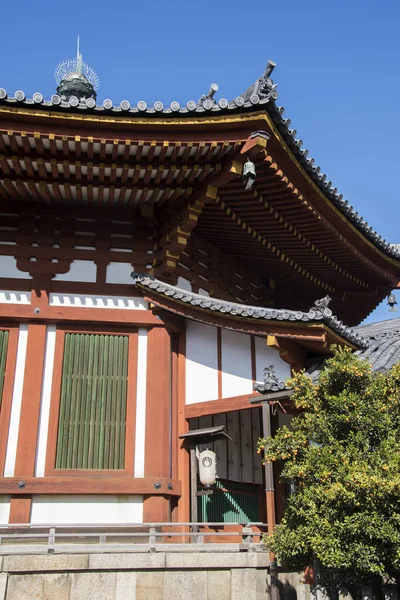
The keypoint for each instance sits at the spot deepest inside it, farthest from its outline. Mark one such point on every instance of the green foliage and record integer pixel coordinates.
(342, 456)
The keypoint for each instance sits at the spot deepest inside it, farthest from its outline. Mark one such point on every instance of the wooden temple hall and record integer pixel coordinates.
(163, 271)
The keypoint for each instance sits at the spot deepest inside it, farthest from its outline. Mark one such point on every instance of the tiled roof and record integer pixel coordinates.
(384, 344)
(259, 96)
(318, 313)
(383, 349)
(73, 104)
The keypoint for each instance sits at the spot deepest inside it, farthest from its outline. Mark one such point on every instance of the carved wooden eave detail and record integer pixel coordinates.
(176, 226)
(291, 353)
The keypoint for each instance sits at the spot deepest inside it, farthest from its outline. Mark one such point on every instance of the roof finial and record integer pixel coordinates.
(76, 78)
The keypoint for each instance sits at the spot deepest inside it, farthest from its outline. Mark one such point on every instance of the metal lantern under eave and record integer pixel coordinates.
(391, 300)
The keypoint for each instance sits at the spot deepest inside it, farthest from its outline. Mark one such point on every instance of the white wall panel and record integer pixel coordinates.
(201, 362)
(184, 284)
(9, 269)
(88, 509)
(265, 356)
(236, 363)
(118, 272)
(11, 452)
(80, 270)
(141, 403)
(9, 297)
(91, 301)
(45, 400)
(4, 509)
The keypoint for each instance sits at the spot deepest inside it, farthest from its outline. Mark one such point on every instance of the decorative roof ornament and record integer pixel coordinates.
(76, 78)
(391, 300)
(264, 87)
(271, 382)
(321, 307)
(208, 101)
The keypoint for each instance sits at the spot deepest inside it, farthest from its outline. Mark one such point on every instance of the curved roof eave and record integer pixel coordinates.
(263, 100)
(319, 313)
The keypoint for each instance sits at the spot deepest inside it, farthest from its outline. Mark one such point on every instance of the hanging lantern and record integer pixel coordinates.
(207, 468)
(391, 300)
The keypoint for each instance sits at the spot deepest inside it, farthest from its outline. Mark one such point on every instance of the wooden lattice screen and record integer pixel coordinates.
(3, 358)
(92, 419)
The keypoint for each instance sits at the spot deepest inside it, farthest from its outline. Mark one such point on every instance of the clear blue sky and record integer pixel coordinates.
(337, 70)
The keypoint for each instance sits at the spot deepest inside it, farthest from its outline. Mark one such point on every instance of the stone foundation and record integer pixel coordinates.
(143, 576)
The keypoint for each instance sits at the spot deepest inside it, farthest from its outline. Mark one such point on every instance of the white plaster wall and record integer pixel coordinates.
(184, 284)
(4, 509)
(11, 451)
(90, 509)
(45, 400)
(201, 362)
(118, 272)
(8, 268)
(141, 403)
(80, 270)
(204, 292)
(265, 356)
(9, 297)
(236, 364)
(91, 301)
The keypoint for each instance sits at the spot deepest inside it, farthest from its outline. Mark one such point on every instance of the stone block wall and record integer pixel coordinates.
(143, 576)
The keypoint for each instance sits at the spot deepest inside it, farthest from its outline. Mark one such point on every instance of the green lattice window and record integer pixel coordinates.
(3, 358)
(92, 419)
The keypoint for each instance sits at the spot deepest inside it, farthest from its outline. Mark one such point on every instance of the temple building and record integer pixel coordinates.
(164, 269)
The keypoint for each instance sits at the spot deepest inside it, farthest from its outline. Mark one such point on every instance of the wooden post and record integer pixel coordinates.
(193, 485)
(269, 474)
(158, 421)
(270, 499)
(193, 489)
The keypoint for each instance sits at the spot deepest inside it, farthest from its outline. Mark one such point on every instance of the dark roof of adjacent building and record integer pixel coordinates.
(262, 95)
(383, 349)
(317, 313)
(384, 344)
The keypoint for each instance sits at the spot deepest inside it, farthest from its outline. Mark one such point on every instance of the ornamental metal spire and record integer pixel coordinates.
(78, 59)
(76, 78)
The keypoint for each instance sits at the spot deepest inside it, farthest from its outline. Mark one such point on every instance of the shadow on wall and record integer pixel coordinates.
(286, 591)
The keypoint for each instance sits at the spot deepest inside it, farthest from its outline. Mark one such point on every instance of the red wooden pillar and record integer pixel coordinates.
(29, 419)
(158, 449)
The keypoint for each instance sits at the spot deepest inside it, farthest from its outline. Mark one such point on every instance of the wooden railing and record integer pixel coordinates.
(142, 537)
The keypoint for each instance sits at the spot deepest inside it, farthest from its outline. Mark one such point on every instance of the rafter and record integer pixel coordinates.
(176, 234)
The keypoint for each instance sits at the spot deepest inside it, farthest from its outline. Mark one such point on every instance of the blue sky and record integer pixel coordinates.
(337, 70)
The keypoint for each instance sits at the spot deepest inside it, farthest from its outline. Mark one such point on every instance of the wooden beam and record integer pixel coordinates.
(59, 314)
(89, 484)
(213, 407)
(291, 353)
(119, 162)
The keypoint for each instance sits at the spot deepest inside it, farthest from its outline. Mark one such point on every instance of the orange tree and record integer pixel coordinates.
(341, 457)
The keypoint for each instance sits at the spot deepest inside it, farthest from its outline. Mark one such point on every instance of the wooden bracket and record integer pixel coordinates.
(292, 354)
